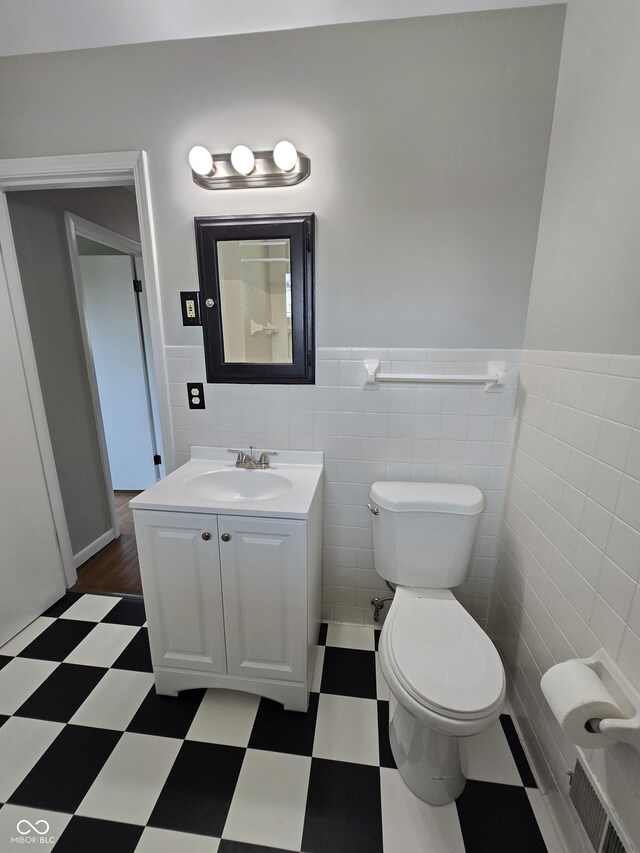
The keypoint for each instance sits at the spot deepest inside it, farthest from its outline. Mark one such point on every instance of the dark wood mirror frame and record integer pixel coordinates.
(299, 229)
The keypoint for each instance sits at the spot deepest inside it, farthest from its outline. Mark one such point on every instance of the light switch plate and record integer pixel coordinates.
(190, 303)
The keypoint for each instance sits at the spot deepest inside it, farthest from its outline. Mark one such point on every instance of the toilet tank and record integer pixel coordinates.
(423, 532)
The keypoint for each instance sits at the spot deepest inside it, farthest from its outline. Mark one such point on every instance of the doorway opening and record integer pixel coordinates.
(76, 237)
(108, 273)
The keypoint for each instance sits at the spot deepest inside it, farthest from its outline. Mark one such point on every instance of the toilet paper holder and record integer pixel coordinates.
(627, 728)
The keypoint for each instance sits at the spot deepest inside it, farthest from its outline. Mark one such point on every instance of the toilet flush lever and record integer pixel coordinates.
(373, 509)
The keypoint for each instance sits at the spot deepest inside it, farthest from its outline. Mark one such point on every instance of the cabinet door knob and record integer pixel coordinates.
(206, 536)
(225, 537)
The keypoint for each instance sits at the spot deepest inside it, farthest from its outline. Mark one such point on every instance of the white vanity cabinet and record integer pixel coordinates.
(231, 574)
(232, 600)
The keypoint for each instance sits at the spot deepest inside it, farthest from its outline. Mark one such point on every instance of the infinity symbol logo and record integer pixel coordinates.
(30, 826)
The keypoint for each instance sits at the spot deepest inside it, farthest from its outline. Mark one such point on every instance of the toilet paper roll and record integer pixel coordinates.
(576, 695)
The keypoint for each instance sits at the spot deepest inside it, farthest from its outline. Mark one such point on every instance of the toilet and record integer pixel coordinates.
(445, 677)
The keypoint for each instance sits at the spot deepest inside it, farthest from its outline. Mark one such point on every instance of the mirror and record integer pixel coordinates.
(256, 294)
(255, 300)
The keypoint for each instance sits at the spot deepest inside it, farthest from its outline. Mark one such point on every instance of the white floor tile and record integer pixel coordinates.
(347, 729)
(269, 803)
(382, 688)
(155, 840)
(19, 678)
(26, 636)
(225, 716)
(91, 608)
(22, 743)
(103, 645)
(129, 784)
(487, 757)
(350, 637)
(317, 670)
(114, 700)
(53, 827)
(545, 823)
(410, 825)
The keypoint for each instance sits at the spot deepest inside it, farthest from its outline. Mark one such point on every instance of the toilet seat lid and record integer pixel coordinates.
(444, 659)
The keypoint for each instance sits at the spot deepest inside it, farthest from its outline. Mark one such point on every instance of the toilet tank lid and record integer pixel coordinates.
(455, 498)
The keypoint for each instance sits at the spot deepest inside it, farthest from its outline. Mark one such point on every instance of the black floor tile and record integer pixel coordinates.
(343, 809)
(128, 611)
(137, 655)
(4, 660)
(198, 791)
(83, 834)
(386, 756)
(376, 638)
(278, 730)
(166, 716)
(349, 672)
(517, 751)
(3, 719)
(63, 604)
(322, 634)
(58, 640)
(497, 819)
(66, 771)
(227, 846)
(62, 693)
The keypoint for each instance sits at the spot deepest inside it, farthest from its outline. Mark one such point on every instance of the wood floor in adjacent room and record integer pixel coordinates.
(115, 568)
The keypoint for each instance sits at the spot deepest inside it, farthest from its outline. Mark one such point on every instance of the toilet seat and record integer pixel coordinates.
(439, 662)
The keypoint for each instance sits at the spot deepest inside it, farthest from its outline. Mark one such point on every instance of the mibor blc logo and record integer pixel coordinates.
(32, 833)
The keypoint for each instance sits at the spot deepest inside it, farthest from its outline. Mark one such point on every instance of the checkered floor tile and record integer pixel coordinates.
(87, 746)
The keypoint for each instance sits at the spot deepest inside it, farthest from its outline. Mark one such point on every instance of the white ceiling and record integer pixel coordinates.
(42, 26)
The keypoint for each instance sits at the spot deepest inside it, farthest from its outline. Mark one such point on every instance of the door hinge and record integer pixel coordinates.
(309, 359)
(137, 285)
(157, 459)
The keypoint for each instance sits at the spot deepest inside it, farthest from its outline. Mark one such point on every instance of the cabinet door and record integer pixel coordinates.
(264, 581)
(181, 581)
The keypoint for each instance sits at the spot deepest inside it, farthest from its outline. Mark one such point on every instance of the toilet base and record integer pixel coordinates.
(428, 761)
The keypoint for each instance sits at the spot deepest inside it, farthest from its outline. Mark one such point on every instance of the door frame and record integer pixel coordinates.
(76, 171)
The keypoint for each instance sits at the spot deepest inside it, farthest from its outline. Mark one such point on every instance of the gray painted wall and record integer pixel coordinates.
(585, 295)
(43, 257)
(428, 141)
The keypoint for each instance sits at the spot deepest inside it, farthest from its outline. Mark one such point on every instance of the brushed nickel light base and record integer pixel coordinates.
(265, 173)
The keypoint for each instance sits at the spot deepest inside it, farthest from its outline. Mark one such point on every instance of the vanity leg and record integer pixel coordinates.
(165, 692)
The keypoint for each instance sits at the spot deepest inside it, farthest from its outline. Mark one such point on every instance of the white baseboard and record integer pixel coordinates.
(93, 548)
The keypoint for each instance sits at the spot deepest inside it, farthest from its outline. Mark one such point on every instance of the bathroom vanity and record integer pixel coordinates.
(230, 561)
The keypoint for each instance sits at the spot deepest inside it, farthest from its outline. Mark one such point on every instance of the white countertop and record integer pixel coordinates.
(175, 493)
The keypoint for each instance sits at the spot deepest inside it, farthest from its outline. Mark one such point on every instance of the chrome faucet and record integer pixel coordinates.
(248, 462)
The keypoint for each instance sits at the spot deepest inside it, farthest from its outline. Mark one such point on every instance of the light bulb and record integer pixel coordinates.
(285, 156)
(200, 160)
(242, 159)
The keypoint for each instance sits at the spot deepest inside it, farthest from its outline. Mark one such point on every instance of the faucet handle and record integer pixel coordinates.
(263, 462)
(241, 457)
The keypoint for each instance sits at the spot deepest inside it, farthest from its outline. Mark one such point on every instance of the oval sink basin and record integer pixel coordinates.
(237, 485)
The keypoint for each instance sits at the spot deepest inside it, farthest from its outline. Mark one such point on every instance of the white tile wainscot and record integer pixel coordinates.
(569, 555)
(428, 432)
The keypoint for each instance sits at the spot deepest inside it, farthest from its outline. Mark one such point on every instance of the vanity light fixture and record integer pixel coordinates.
(245, 169)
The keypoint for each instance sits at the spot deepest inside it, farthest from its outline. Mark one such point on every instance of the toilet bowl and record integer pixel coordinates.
(445, 677)
(446, 681)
